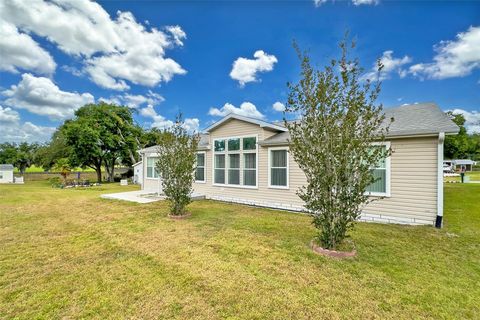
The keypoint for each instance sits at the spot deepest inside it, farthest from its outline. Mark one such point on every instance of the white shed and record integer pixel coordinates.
(138, 172)
(6, 173)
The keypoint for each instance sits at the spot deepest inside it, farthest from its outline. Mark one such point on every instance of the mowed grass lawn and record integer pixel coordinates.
(473, 175)
(70, 254)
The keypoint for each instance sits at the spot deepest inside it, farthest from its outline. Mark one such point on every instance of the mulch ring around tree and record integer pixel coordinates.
(180, 217)
(332, 253)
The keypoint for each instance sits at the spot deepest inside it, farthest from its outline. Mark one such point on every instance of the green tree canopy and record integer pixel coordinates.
(101, 134)
(20, 155)
(462, 145)
(47, 155)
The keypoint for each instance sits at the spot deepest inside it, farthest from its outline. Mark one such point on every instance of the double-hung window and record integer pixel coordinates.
(151, 167)
(278, 168)
(235, 161)
(249, 148)
(200, 168)
(381, 174)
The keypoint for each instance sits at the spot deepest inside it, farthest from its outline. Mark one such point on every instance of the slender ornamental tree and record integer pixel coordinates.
(176, 165)
(332, 141)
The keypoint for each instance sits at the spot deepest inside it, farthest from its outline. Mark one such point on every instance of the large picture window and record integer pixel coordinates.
(235, 161)
(151, 167)
(200, 169)
(278, 168)
(381, 174)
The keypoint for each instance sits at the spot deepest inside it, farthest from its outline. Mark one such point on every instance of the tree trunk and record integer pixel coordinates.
(110, 167)
(98, 169)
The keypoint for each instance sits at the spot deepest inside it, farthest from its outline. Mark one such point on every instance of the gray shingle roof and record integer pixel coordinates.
(6, 167)
(409, 120)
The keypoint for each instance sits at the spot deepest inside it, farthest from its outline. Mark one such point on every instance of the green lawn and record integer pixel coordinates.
(35, 169)
(69, 254)
(473, 175)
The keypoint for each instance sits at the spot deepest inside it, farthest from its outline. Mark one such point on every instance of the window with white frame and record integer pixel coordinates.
(235, 161)
(278, 167)
(219, 171)
(200, 168)
(381, 174)
(151, 167)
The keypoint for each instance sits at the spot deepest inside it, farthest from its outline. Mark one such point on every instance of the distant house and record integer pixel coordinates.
(457, 164)
(6, 173)
(247, 161)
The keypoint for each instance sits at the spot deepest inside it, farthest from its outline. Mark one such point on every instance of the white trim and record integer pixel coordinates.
(269, 167)
(388, 173)
(204, 167)
(441, 138)
(241, 152)
(261, 123)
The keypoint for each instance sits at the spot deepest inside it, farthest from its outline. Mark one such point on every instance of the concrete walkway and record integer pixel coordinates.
(142, 196)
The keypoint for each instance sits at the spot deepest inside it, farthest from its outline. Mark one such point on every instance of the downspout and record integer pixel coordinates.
(439, 220)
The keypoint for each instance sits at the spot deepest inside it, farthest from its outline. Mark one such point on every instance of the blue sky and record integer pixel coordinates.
(209, 58)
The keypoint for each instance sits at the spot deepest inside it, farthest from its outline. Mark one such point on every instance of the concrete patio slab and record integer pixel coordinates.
(142, 196)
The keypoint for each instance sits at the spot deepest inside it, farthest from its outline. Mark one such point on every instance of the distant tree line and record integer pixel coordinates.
(462, 145)
(100, 136)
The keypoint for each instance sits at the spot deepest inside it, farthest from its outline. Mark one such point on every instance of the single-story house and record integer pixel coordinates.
(6, 173)
(247, 161)
(457, 164)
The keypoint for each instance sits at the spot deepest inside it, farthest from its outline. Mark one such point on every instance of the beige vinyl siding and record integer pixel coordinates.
(413, 181)
(413, 186)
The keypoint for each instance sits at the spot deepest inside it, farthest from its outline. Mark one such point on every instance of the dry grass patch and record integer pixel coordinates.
(70, 254)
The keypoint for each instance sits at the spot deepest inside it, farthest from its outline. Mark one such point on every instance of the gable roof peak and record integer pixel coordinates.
(261, 123)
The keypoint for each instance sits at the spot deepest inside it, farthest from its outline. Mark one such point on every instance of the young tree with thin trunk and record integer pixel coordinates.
(176, 165)
(333, 141)
(63, 167)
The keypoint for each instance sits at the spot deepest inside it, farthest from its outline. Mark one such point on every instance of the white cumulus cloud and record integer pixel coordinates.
(114, 51)
(246, 109)
(390, 65)
(318, 3)
(41, 96)
(159, 121)
(19, 51)
(135, 100)
(278, 106)
(454, 58)
(191, 124)
(365, 2)
(472, 119)
(177, 34)
(12, 130)
(245, 70)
